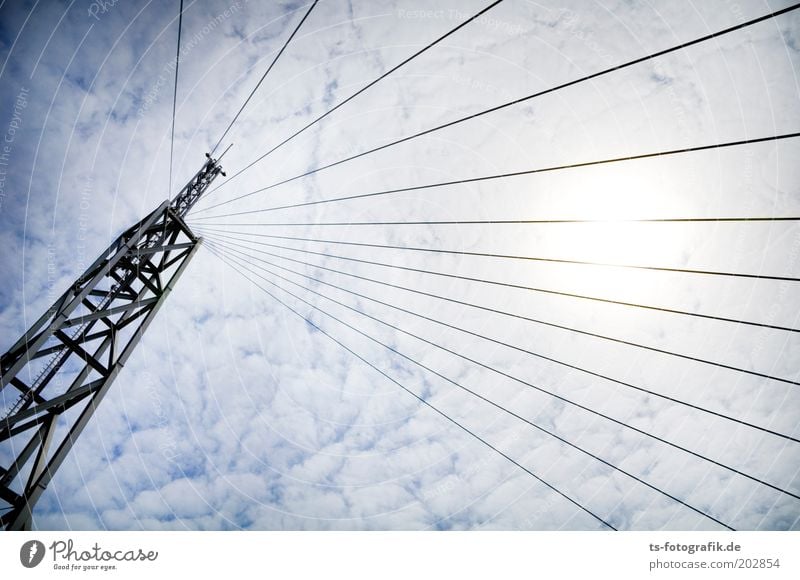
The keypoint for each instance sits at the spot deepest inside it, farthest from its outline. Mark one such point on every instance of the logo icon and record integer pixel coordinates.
(31, 553)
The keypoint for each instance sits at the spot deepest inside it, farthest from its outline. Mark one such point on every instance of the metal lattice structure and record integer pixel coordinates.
(56, 374)
(87, 335)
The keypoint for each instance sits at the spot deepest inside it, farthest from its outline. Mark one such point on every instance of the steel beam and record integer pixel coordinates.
(122, 290)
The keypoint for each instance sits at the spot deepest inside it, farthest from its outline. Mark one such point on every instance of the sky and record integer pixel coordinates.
(235, 413)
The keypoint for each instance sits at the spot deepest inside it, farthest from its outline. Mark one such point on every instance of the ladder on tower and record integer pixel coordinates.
(121, 292)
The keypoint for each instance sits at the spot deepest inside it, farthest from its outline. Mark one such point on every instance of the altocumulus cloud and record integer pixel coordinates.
(234, 413)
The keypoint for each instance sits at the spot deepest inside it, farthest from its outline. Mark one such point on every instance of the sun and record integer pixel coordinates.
(616, 201)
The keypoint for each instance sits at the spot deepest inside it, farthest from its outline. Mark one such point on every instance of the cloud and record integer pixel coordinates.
(234, 414)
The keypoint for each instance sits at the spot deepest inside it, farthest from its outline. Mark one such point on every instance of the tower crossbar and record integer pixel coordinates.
(56, 374)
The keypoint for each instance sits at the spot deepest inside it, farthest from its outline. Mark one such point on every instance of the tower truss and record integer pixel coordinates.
(56, 374)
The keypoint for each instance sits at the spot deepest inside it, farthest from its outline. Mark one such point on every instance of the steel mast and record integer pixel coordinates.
(56, 374)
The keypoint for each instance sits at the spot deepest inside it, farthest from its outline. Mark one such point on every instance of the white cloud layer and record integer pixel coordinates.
(233, 413)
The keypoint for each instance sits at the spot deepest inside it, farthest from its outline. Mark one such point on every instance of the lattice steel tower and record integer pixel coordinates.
(57, 373)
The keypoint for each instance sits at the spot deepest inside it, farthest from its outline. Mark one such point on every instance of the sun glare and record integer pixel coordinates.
(615, 196)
